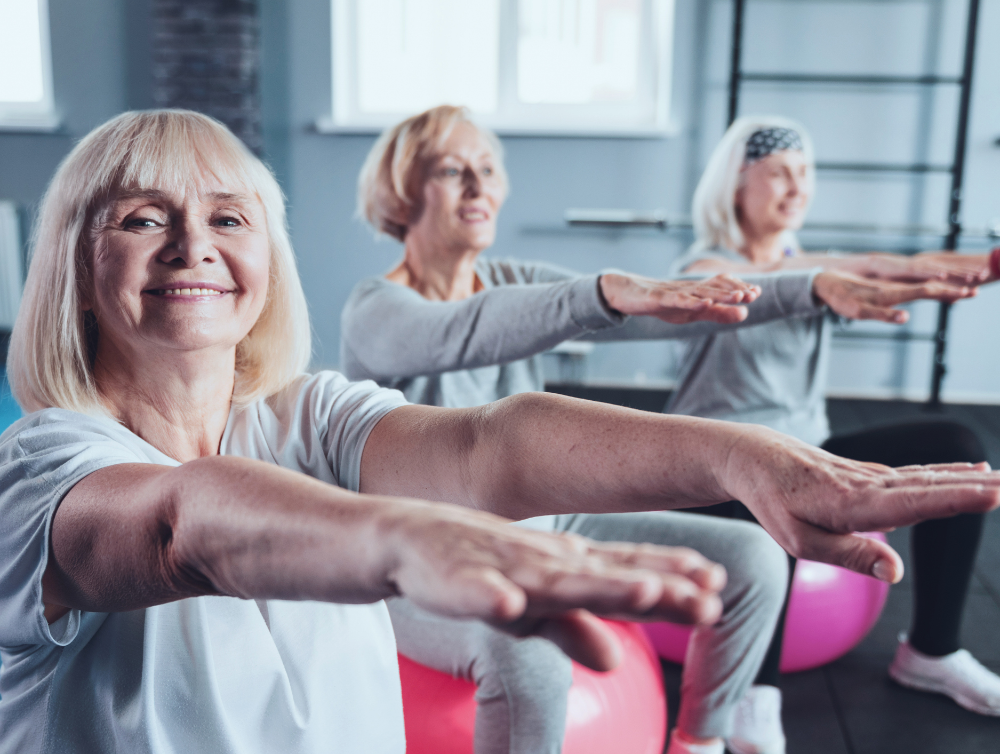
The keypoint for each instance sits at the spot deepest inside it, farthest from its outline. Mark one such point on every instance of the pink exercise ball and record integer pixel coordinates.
(830, 611)
(624, 711)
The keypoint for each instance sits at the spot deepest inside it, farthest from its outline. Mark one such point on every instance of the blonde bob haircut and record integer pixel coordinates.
(54, 341)
(713, 210)
(391, 182)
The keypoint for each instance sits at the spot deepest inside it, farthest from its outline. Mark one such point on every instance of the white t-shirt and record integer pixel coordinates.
(208, 674)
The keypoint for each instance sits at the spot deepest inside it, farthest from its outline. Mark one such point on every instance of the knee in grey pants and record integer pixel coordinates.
(723, 659)
(522, 684)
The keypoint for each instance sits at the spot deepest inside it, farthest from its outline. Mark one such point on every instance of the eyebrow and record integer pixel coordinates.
(478, 155)
(123, 195)
(157, 194)
(227, 196)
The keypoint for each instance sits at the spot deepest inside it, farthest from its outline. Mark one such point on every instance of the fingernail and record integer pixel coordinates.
(882, 571)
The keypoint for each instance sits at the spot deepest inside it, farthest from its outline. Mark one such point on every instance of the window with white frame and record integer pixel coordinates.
(521, 66)
(25, 65)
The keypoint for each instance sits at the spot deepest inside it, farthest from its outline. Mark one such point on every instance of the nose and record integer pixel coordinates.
(190, 244)
(471, 185)
(797, 185)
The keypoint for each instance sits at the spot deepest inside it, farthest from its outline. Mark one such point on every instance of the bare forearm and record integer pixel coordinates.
(215, 526)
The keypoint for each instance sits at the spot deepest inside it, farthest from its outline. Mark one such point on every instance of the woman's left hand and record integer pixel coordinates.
(950, 267)
(716, 299)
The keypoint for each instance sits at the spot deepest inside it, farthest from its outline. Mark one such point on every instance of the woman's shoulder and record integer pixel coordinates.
(701, 253)
(55, 427)
(319, 395)
(371, 295)
(509, 271)
(318, 425)
(373, 285)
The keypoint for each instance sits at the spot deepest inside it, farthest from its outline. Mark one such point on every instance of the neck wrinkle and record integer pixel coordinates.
(182, 411)
(447, 276)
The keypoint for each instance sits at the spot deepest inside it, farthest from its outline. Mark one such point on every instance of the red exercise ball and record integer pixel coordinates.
(624, 711)
(830, 611)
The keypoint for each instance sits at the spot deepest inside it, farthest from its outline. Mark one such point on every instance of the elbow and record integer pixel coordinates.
(190, 530)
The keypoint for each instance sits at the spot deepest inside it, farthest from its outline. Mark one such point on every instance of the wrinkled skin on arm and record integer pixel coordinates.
(533, 454)
(131, 536)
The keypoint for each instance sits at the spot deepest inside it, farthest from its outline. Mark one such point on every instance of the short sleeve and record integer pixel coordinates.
(41, 458)
(347, 412)
(318, 425)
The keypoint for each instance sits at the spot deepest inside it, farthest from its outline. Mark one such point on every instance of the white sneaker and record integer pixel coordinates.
(678, 746)
(757, 723)
(958, 675)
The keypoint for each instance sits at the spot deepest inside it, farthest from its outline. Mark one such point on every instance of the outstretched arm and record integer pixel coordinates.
(791, 294)
(950, 267)
(534, 454)
(134, 535)
(391, 332)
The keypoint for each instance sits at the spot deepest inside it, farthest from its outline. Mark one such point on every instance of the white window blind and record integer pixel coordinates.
(25, 65)
(522, 66)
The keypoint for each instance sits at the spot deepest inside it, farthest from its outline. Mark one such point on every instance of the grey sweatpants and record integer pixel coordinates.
(523, 684)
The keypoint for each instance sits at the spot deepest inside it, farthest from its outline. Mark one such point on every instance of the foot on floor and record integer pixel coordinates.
(679, 744)
(958, 675)
(757, 723)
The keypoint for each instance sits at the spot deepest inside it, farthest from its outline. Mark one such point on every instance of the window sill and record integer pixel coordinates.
(46, 124)
(326, 126)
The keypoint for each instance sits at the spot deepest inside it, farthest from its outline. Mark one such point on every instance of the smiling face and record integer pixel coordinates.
(176, 271)
(774, 194)
(462, 195)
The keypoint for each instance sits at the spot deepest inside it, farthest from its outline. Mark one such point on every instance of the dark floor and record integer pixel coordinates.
(850, 706)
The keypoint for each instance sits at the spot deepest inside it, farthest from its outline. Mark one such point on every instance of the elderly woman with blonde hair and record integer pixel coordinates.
(449, 327)
(751, 200)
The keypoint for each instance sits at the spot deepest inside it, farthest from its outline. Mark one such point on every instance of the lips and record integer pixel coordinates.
(192, 289)
(473, 214)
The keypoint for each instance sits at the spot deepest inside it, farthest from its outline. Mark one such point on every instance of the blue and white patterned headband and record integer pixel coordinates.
(769, 140)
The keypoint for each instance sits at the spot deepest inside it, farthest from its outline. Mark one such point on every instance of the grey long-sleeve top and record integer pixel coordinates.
(774, 374)
(488, 346)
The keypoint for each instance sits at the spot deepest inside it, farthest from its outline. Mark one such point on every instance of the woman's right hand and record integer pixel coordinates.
(857, 297)
(716, 299)
(466, 564)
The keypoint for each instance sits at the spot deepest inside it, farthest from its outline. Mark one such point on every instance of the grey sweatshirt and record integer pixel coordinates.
(773, 374)
(488, 346)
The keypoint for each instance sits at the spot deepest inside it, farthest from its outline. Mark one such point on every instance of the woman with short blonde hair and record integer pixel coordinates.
(391, 180)
(53, 346)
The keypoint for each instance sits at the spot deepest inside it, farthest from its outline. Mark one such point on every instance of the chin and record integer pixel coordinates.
(484, 239)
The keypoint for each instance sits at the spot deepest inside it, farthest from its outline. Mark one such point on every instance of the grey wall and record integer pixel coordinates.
(102, 66)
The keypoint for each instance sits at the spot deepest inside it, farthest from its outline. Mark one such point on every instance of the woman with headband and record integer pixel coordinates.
(450, 328)
(752, 198)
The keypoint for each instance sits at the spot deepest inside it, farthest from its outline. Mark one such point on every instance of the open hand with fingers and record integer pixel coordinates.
(465, 564)
(857, 297)
(721, 298)
(812, 501)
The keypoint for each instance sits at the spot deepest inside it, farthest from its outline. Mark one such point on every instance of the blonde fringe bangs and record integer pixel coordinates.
(53, 342)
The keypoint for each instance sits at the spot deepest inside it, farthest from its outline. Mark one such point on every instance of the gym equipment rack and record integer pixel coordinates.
(737, 77)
